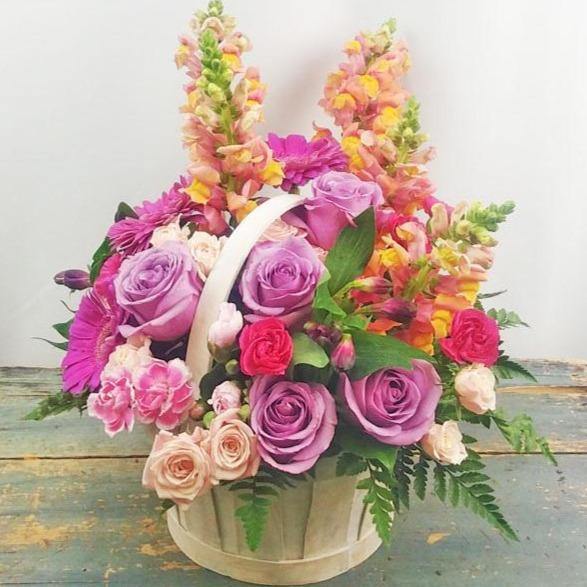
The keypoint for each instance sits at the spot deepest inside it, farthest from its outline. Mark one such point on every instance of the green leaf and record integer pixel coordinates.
(257, 493)
(350, 464)
(58, 403)
(421, 476)
(355, 321)
(353, 441)
(63, 328)
(522, 435)
(378, 497)
(102, 253)
(352, 251)
(463, 488)
(324, 301)
(505, 368)
(212, 379)
(58, 345)
(308, 352)
(374, 352)
(166, 504)
(403, 472)
(493, 294)
(506, 319)
(124, 211)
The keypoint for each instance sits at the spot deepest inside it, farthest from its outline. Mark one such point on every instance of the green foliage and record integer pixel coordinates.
(63, 328)
(378, 486)
(406, 134)
(258, 493)
(350, 464)
(165, 505)
(403, 473)
(466, 485)
(375, 352)
(58, 403)
(308, 352)
(421, 476)
(213, 378)
(58, 345)
(522, 435)
(102, 253)
(505, 368)
(324, 304)
(123, 211)
(351, 252)
(506, 319)
(493, 294)
(489, 217)
(352, 440)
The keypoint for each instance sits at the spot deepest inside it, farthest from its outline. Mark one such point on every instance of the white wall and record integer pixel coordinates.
(88, 116)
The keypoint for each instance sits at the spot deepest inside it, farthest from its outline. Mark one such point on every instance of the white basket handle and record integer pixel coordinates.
(225, 272)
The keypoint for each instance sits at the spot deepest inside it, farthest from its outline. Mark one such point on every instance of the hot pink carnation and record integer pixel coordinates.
(163, 393)
(113, 403)
(305, 160)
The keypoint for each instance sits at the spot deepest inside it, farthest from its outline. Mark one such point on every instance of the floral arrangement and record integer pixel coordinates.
(356, 329)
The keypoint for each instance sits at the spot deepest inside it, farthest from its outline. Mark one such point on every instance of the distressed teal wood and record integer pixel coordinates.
(72, 510)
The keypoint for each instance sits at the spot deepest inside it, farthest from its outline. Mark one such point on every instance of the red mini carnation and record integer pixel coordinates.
(473, 338)
(266, 348)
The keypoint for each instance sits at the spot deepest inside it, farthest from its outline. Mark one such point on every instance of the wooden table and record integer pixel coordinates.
(72, 509)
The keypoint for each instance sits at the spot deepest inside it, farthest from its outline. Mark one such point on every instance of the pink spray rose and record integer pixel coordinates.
(113, 403)
(279, 280)
(444, 443)
(179, 467)
(224, 330)
(294, 422)
(473, 338)
(475, 387)
(233, 447)
(395, 406)
(160, 289)
(337, 199)
(163, 393)
(225, 396)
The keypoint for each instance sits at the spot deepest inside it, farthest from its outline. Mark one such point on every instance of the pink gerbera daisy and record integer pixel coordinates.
(132, 235)
(306, 160)
(92, 337)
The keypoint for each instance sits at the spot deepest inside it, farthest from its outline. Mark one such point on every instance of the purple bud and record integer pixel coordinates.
(343, 356)
(375, 285)
(73, 279)
(398, 310)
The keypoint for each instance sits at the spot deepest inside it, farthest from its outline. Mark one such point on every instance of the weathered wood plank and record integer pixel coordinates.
(560, 414)
(89, 522)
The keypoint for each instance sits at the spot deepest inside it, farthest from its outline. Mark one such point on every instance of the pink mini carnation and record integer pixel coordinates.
(163, 393)
(113, 403)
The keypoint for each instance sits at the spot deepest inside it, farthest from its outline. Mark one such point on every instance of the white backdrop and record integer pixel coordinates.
(88, 117)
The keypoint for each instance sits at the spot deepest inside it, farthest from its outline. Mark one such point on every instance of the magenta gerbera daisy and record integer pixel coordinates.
(132, 235)
(92, 337)
(305, 160)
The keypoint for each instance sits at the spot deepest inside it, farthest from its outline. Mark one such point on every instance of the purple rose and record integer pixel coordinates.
(395, 406)
(337, 199)
(294, 422)
(279, 280)
(160, 289)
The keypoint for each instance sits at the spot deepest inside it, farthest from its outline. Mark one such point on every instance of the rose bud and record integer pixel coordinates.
(343, 356)
(398, 310)
(197, 411)
(73, 279)
(322, 334)
(375, 285)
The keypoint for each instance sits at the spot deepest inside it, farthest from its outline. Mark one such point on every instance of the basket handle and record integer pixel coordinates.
(223, 275)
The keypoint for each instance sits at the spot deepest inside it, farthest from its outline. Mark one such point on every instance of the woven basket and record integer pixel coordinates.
(315, 531)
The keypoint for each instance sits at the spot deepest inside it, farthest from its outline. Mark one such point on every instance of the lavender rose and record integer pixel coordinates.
(395, 406)
(160, 289)
(294, 422)
(279, 280)
(337, 199)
